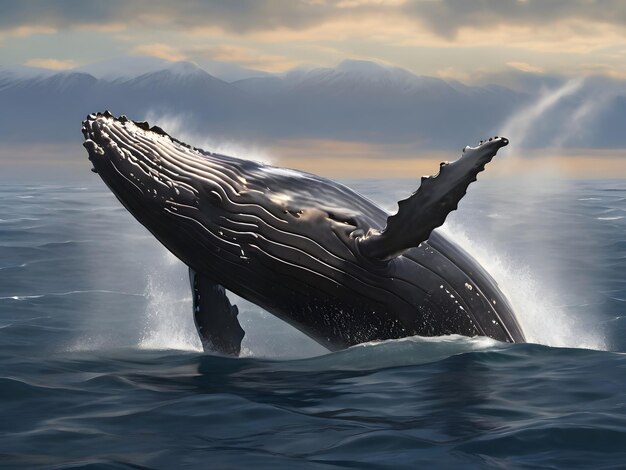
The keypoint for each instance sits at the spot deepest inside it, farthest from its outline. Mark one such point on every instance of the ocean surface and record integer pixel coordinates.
(100, 366)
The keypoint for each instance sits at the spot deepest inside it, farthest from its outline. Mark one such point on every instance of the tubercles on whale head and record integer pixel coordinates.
(126, 156)
(161, 181)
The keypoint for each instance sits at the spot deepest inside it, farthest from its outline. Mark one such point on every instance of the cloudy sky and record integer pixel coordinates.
(462, 39)
(473, 41)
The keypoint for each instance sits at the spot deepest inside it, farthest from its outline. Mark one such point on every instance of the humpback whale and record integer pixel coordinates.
(308, 250)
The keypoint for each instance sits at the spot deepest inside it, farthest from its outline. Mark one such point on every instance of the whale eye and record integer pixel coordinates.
(346, 219)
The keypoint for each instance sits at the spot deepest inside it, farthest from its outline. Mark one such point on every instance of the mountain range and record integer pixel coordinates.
(354, 101)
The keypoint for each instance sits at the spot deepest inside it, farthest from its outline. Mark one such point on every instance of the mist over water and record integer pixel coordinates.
(518, 128)
(540, 302)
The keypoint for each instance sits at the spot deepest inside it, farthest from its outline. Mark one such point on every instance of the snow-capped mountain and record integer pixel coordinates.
(357, 100)
(361, 100)
(128, 67)
(123, 68)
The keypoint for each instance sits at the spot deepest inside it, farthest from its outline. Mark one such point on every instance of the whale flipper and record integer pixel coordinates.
(427, 208)
(214, 316)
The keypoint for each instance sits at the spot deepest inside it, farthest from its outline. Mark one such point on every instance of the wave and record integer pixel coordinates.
(19, 219)
(413, 350)
(61, 294)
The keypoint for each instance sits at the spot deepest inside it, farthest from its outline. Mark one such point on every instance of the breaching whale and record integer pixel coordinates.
(306, 249)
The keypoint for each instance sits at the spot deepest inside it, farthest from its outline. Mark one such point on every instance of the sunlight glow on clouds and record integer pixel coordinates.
(245, 56)
(162, 51)
(425, 36)
(52, 64)
(524, 67)
(529, 46)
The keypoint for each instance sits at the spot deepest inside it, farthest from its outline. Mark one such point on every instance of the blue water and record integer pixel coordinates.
(100, 366)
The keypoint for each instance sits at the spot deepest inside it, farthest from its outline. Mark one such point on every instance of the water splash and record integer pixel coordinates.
(413, 350)
(536, 303)
(168, 320)
(176, 126)
(168, 323)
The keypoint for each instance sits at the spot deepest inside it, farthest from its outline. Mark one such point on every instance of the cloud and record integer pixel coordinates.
(24, 31)
(426, 36)
(241, 15)
(446, 17)
(52, 64)
(524, 67)
(162, 51)
(246, 56)
(575, 25)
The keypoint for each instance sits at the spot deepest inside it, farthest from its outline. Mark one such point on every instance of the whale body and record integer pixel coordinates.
(308, 250)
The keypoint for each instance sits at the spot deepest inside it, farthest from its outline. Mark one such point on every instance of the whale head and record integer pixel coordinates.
(176, 191)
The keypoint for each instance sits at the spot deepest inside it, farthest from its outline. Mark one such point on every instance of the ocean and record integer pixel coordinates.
(101, 368)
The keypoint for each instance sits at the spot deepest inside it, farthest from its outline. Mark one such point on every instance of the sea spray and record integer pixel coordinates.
(177, 125)
(537, 303)
(519, 126)
(575, 128)
(168, 318)
(168, 315)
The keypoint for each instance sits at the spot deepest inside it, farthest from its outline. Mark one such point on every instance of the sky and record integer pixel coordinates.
(472, 41)
(460, 39)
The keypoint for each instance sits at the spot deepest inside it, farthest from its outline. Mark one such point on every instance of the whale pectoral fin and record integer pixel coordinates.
(214, 316)
(428, 207)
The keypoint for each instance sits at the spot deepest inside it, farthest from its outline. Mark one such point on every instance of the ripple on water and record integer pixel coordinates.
(88, 378)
